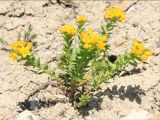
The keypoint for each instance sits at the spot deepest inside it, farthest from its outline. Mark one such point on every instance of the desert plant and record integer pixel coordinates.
(86, 65)
(21, 51)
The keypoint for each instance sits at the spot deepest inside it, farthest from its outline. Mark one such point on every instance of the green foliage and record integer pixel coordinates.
(36, 63)
(92, 62)
(104, 69)
(32, 60)
(108, 27)
(84, 67)
(66, 57)
(28, 35)
(1, 41)
(84, 100)
(80, 63)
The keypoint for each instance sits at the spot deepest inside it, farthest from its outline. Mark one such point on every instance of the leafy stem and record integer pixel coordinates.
(36, 63)
(107, 27)
(102, 72)
(66, 57)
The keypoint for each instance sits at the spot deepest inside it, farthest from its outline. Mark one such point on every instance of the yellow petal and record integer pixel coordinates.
(103, 38)
(148, 53)
(29, 45)
(13, 56)
(101, 45)
(68, 29)
(135, 43)
(144, 58)
(115, 12)
(86, 46)
(81, 19)
(137, 52)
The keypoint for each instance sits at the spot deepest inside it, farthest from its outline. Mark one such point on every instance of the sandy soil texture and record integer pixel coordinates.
(21, 94)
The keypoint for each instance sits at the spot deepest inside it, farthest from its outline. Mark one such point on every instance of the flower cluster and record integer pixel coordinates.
(68, 30)
(92, 39)
(115, 13)
(20, 49)
(138, 49)
(81, 19)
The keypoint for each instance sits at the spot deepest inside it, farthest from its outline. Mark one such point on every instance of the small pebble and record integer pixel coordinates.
(135, 24)
(144, 67)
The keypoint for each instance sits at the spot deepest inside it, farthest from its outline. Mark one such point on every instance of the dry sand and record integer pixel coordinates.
(139, 89)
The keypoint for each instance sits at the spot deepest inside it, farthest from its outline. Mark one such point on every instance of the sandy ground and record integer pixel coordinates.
(138, 89)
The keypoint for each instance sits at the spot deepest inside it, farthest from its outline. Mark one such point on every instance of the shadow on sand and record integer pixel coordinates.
(132, 93)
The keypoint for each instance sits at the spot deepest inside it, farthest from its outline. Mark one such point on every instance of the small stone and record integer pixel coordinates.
(144, 67)
(135, 24)
(34, 104)
(27, 115)
(122, 73)
(53, 1)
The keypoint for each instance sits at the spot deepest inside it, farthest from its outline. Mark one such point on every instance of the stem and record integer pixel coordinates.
(122, 62)
(66, 57)
(43, 68)
(108, 27)
(112, 69)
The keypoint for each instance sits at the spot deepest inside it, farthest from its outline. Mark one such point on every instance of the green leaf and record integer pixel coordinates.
(84, 100)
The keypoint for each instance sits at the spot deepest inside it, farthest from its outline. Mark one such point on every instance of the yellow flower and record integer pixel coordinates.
(144, 58)
(115, 13)
(13, 56)
(103, 38)
(90, 32)
(69, 30)
(139, 49)
(135, 43)
(20, 48)
(81, 19)
(101, 45)
(148, 53)
(85, 37)
(91, 38)
(86, 46)
(16, 45)
(138, 52)
(29, 45)
(24, 51)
